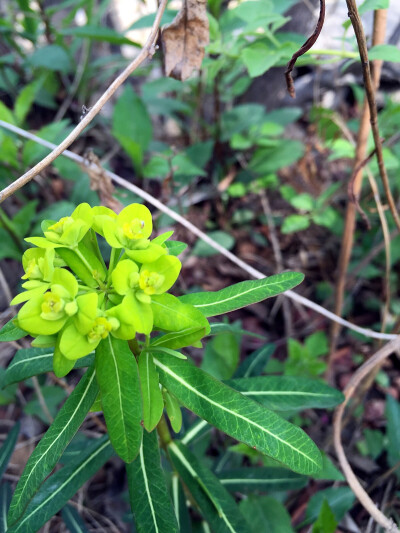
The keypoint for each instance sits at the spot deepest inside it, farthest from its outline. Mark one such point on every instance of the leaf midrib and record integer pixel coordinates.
(146, 485)
(220, 406)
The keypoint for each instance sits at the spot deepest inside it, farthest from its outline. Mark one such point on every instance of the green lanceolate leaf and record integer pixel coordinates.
(72, 520)
(264, 513)
(5, 498)
(50, 448)
(7, 448)
(242, 294)
(255, 363)
(61, 486)
(118, 379)
(173, 411)
(11, 332)
(283, 393)
(261, 479)
(238, 416)
(216, 504)
(150, 502)
(34, 361)
(153, 403)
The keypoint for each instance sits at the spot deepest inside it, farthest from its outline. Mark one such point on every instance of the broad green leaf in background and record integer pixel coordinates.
(242, 294)
(98, 33)
(73, 520)
(284, 393)
(132, 126)
(238, 416)
(215, 502)
(266, 514)
(62, 486)
(118, 379)
(202, 249)
(25, 99)
(153, 403)
(52, 396)
(263, 479)
(11, 332)
(49, 450)
(254, 364)
(30, 362)
(340, 500)
(392, 412)
(223, 327)
(5, 498)
(259, 57)
(150, 502)
(7, 448)
(51, 57)
(326, 522)
(54, 132)
(221, 355)
(294, 223)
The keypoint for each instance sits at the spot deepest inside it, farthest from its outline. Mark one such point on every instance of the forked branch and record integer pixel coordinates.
(147, 51)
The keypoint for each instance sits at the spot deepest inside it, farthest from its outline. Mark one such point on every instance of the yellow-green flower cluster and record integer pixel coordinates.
(73, 300)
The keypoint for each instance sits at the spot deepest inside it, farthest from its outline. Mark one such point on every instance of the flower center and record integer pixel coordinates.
(52, 306)
(100, 329)
(133, 229)
(33, 270)
(149, 282)
(61, 225)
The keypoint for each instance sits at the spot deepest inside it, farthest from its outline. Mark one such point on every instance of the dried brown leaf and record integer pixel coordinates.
(185, 38)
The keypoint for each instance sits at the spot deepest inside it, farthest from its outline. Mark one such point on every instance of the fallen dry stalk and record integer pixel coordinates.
(370, 95)
(147, 51)
(352, 480)
(379, 31)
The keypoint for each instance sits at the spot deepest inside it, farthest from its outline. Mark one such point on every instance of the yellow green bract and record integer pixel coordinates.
(73, 300)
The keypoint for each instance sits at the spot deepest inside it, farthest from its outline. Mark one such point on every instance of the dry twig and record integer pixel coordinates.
(352, 480)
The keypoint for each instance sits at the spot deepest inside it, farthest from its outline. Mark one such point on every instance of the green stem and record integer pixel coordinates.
(114, 257)
(88, 266)
(338, 53)
(164, 433)
(134, 346)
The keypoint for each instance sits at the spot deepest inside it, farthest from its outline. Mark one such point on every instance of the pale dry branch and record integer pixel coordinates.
(147, 51)
(352, 480)
(196, 231)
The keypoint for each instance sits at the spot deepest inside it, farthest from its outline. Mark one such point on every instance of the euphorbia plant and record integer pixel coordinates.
(116, 317)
